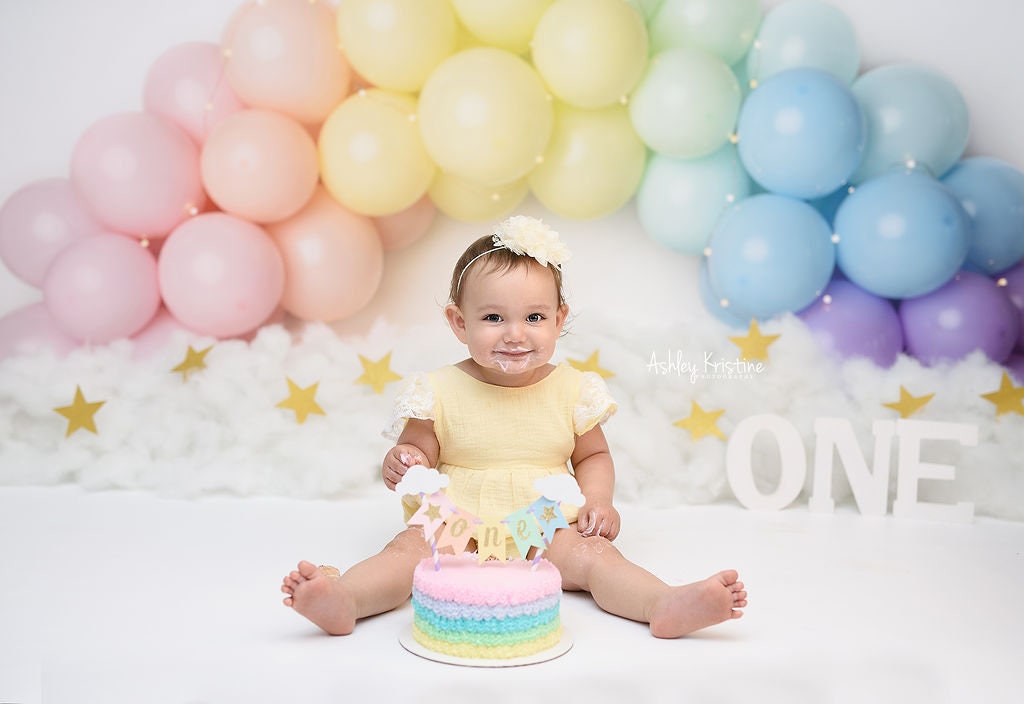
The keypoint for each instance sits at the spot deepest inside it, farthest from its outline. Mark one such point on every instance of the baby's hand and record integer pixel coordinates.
(397, 461)
(598, 519)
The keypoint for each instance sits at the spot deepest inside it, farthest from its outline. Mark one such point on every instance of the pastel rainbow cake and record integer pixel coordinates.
(491, 610)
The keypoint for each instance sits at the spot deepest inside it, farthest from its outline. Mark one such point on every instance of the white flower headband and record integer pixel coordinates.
(523, 235)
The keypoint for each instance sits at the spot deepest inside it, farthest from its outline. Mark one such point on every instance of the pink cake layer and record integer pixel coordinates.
(493, 583)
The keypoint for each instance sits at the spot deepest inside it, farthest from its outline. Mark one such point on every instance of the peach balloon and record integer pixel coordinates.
(401, 229)
(259, 165)
(37, 222)
(333, 258)
(186, 85)
(137, 173)
(102, 288)
(372, 158)
(220, 275)
(284, 56)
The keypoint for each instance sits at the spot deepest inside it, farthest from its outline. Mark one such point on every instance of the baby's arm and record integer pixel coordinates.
(416, 445)
(595, 473)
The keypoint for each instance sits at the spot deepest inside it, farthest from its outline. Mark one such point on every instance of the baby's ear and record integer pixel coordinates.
(456, 321)
(563, 315)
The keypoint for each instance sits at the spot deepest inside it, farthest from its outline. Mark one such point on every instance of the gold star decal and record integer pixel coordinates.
(701, 423)
(194, 361)
(433, 512)
(80, 413)
(548, 514)
(301, 401)
(590, 364)
(377, 374)
(908, 405)
(754, 345)
(1008, 399)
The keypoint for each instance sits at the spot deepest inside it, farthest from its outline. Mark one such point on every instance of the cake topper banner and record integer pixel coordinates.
(447, 525)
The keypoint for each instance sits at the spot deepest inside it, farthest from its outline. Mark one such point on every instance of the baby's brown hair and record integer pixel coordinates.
(499, 259)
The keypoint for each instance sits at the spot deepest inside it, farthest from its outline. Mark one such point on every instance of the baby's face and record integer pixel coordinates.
(511, 319)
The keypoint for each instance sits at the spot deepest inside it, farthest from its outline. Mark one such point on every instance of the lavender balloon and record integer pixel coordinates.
(1013, 283)
(1015, 366)
(969, 313)
(849, 322)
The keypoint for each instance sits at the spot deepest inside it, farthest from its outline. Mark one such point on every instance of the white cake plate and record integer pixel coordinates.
(410, 643)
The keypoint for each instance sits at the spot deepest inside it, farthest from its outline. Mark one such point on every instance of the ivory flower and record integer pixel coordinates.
(525, 235)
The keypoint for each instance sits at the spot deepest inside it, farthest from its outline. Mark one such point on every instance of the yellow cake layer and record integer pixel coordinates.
(494, 652)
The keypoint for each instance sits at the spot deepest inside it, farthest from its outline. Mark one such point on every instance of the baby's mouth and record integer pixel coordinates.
(514, 353)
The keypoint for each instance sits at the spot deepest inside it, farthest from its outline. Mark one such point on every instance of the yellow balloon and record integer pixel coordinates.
(592, 166)
(485, 116)
(470, 202)
(591, 53)
(372, 158)
(505, 24)
(395, 44)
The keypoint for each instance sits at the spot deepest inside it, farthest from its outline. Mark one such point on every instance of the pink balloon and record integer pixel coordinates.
(161, 332)
(37, 222)
(138, 173)
(29, 330)
(260, 165)
(220, 275)
(401, 229)
(284, 56)
(102, 288)
(188, 86)
(333, 259)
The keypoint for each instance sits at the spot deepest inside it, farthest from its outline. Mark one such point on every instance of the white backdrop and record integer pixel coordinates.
(65, 64)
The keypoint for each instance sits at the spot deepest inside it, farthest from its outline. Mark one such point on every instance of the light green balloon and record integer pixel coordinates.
(726, 28)
(646, 8)
(804, 34)
(686, 104)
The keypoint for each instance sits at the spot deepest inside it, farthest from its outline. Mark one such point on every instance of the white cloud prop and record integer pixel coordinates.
(560, 487)
(221, 432)
(421, 480)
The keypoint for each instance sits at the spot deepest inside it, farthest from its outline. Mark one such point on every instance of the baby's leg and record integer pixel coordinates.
(375, 585)
(620, 587)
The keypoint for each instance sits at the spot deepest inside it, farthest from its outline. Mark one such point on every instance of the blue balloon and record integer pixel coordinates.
(901, 235)
(916, 118)
(679, 200)
(829, 205)
(802, 133)
(713, 302)
(992, 193)
(770, 254)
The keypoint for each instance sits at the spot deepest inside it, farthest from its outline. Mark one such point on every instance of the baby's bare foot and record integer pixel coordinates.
(321, 598)
(694, 606)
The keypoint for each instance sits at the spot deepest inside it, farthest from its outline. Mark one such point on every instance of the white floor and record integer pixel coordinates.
(127, 597)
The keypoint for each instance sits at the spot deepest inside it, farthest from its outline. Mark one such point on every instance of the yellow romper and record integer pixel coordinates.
(496, 440)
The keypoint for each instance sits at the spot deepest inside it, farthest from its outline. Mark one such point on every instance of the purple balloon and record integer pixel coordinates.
(970, 312)
(1013, 283)
(1015, 365)
(849, 322)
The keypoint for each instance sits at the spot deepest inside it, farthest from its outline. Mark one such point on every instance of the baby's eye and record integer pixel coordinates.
(492, 318)
(534, 318)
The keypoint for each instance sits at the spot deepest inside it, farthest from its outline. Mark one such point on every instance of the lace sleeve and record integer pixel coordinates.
(595, 404)
(415, 400)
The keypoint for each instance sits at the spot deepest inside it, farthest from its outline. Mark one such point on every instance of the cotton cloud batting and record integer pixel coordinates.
(222, 432)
